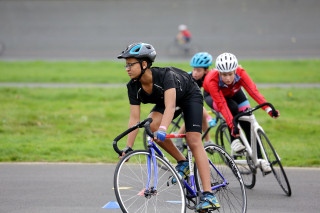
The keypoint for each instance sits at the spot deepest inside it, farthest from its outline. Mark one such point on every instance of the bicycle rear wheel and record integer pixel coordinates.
(130, 181)
(2, 48)
(243, 161)
(275, 163)
(223, 137)
(231, 197)
(247, 170)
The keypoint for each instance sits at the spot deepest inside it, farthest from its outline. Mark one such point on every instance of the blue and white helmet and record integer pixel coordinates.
(226, 62)
(202, 59)
(139, 50)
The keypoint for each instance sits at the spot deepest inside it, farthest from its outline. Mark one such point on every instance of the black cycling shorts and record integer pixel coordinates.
(192, 108)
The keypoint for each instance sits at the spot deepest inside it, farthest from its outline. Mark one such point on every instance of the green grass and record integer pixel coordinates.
(302, 71)
(61, 125)
(79, 125)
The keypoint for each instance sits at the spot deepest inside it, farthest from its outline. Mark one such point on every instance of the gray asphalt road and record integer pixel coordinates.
(83, 188)
(98, 29)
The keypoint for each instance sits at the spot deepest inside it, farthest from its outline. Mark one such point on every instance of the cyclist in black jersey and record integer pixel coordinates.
(167, 87)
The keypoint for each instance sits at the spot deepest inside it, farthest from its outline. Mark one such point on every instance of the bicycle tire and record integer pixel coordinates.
(275, 163)
(248, 170)
(130, 180)
(145, 141)
(222, 137)
(232, 197)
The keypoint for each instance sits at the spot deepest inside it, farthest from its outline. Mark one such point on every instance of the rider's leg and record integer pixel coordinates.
(200, 156)
(205, 124)
(236, 144)
(193, 111)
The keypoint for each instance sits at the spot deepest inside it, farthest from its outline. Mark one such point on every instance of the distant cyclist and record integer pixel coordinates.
(167, 87)
(225, 85)
(184, 35)
(200, 63)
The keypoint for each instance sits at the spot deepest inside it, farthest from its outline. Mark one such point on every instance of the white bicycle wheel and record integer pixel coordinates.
(130, 181)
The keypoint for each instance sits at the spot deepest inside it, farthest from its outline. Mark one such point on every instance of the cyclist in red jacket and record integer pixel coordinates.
(224, 85)
(184, 35)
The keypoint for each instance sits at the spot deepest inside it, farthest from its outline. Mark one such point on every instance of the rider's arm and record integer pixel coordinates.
(251, 87)
(134, 119)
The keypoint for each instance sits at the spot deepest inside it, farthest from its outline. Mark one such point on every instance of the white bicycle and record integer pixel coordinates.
(259, 148)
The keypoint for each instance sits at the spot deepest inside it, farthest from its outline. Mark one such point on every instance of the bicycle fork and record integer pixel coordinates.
(151, 161)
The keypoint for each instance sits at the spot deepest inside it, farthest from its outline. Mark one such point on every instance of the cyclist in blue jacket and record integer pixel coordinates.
(167, 87)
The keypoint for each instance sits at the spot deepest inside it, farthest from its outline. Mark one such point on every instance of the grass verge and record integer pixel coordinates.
(79, 125)
(302, 71)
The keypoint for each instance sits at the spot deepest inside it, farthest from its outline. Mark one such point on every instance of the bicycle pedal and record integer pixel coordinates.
(239, 154)
(210, 151)
(206, 211)
(266, 173)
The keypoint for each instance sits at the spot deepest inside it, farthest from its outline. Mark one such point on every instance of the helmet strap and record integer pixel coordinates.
(142, 70)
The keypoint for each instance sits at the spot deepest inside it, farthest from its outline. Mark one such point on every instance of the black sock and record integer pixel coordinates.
(182, 161)
(207, 193)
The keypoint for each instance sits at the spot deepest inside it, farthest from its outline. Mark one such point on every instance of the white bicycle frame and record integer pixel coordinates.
(251, 150)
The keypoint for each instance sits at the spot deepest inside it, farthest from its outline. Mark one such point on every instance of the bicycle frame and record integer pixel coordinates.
(192, 191)
(251, 149)
(255, 140)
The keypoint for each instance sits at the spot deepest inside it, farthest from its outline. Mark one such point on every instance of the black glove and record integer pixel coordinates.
(235, 132)
(126, 150)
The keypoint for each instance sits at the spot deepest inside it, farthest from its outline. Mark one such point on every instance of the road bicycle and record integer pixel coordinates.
(185, 50)
(258, 148)
(141, 186)
(2, 48)
(221, 133)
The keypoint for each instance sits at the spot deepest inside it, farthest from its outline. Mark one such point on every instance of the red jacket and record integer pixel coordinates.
(186, 33)
(219, 90)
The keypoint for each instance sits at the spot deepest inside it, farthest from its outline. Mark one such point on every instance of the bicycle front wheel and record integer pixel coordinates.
(275, 163)
(130, 182)
(232, 197)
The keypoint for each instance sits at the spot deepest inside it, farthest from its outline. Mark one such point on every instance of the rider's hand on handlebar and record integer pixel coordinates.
(125, 151)
(235, 132)
(273, 114)
(160, 135)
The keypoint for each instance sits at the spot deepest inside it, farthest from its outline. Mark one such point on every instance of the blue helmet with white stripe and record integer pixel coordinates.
(202, 59)
(140, 51)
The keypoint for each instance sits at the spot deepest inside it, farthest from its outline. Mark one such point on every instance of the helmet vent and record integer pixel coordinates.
(137, 50)
(234, 65)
